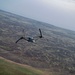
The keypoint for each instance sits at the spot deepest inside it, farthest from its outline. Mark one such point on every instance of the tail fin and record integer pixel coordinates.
(40, 33)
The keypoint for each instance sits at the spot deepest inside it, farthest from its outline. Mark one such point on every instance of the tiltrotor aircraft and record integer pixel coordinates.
(30, 39)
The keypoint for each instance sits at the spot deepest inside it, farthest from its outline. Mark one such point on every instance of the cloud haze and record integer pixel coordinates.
(57, 12)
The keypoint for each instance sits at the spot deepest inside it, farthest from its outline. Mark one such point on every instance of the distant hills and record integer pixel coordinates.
(55, 52)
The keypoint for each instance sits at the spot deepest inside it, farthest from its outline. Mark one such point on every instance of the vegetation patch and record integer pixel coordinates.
(8, 68)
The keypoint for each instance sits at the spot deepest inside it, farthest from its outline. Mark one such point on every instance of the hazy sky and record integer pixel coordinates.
(57, 12)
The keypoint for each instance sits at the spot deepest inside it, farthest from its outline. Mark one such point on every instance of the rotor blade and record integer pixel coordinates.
(18, 40)
(40, 33)
(39, 36)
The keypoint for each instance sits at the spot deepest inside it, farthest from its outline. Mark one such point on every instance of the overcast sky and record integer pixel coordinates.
(57, 12)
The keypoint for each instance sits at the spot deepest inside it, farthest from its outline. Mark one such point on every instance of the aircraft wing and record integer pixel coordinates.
(20, 39)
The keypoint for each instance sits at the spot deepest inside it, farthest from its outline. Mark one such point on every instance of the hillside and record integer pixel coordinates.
(55, 52)
(8, 67)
